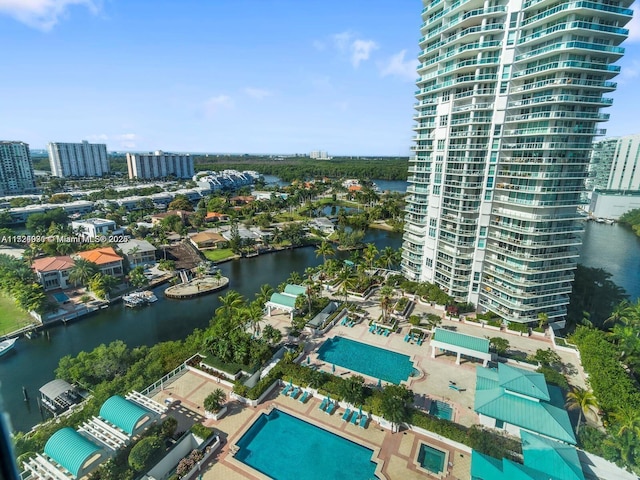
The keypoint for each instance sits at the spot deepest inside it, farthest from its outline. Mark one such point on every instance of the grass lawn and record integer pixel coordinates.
(218, 254)
(11, 317)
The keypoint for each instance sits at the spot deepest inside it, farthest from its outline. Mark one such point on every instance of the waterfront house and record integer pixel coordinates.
(205, 240)
(108, 261)
(158, 217)
(53, 272)
(95, 227)
(216, 217)
(138, 252)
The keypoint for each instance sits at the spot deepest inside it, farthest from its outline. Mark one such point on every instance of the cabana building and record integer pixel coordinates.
(58, 395)
(286, 301)
(460, 344)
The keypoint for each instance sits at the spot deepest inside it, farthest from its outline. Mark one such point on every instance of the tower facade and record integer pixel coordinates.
(78, 159)
(159, 165)
(16, 169)
(508, 103)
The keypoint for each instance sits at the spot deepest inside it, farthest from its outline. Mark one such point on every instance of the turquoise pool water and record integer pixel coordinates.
(373, 361)
(431, 458)
(441, 410)
(60, 297)
(286, 448)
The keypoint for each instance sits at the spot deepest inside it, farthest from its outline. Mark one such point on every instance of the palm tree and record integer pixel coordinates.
(294, 278)
(264, 295)
(369, 254)
(347, 280)
(82, 271)
(387, 258)
(386, 300)
(627, 419)
(254, 315)
(582, 400)
(213, 402)
(230, 304)
(626, 337)
(543, 319)
(218, 276)
(325, 249)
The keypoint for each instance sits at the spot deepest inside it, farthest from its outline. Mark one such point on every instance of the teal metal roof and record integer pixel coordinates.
(478, 344)
(295, 290)
(542, 417)
(70, 449)
(544, 459)
(124, 414)
(285, 300)
(522, 381)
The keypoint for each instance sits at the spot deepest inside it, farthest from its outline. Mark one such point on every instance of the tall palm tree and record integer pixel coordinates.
(582, 400)
(325, 249)
(387, 258)
(346, 280)
(253, 314)
(626, 337)
(82, 271)
(230, 304)
(369, 254)
(295, 278)
(627, 419)
(386, 301)
(264, 295)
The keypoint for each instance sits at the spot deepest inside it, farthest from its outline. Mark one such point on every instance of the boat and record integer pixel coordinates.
(138, 299)
(7, 345)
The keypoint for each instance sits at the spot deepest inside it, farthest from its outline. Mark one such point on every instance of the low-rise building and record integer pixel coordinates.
(53, 272)
(108, 261)
(95, 227)
(138, 252)
(204, 240)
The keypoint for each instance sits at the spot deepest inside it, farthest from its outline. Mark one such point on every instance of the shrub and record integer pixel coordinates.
(201, 431)
(554, 377)
(168, 428)
(144, 452)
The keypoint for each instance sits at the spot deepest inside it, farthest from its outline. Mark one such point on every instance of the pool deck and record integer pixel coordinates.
(395, 453)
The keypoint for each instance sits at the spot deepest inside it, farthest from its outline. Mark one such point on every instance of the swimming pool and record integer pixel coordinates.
(441, 410)
(431, 458)
(373, 361)
(285, 447)
(61, 297)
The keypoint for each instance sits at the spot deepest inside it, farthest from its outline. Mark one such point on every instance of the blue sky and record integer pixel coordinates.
(241, 76)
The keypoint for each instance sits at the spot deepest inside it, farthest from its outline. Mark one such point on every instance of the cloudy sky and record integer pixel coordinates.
(241, 76)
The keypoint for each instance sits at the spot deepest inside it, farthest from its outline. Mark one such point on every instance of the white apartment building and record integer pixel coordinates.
(614, 164)
(16, 169)
(78, 159)
(509, 94)
(159, 165)
(319, 155)
(95, 227)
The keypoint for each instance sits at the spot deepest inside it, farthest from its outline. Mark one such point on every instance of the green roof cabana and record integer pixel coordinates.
(543, 459)
(125, 414)
(284, 301)
(460, 344)
(519, 400)
(295, 290)
(73, 451)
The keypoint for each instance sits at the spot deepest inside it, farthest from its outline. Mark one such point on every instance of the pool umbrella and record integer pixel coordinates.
(333, 368)
(291, 382)
(379, 383)
(360, 410)
(308, 360)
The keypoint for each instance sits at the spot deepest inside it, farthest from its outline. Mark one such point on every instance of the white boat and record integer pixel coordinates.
(7, 345)
(138, 299)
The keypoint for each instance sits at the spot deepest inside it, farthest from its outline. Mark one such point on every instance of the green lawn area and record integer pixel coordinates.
(218, 254)
(11, 317)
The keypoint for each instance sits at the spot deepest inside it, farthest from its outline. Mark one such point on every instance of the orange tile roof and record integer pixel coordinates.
(52, 264)
(355, 188)
(100, 256)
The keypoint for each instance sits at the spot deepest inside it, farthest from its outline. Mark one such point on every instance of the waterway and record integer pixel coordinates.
(32, 363)
(383, 185)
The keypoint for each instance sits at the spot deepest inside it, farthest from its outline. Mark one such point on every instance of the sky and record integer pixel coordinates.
(227, 76)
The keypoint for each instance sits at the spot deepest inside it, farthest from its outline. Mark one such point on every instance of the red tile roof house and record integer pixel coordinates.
(108, 261)
(53, 272)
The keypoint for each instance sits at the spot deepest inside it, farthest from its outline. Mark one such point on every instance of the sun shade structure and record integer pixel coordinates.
(295, 290)
(515, 399)
(72, 451)
(124, 414)
(285, 301)
(460, 344)
(543, 459)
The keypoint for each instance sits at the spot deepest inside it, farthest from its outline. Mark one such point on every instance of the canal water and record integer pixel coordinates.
(32, 363)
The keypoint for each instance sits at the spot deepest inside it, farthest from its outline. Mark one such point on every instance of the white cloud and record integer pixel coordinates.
(43, 14)
(634, 25)
(217, 103)
(398, 66)
(127, 140)
(361, 50)
(100, 137)
(358, 49)
(258, 93)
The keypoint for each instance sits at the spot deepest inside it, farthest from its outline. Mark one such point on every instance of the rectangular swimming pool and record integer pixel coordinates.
(441, 410)
(372, 361)
(431, 458)
(61, 297)
(285, 447)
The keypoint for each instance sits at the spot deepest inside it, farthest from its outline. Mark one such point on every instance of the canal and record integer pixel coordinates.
(33, 362)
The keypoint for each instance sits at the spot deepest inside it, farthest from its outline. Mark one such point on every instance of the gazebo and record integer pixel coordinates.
(285, 301)
(460, 344)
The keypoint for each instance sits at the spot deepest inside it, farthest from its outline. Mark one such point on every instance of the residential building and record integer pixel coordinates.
(204, 240)
(53, 272)
(611, 204)
(108, 261)
(16, 169)
(159, 165)
(95, 227)
(138, 252)
(508, 102)
(319, 155)
(78, 159)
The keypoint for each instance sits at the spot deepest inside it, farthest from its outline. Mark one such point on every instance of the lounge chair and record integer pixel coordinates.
(304, 396)
(344, 321)
(324, 403)
(406, 337)
(363, 421)
(285, 390)
(330, 408)
(346, 415)
(295, 392)
(419, 342)
(372, 328)
(354, 418)
(386, 332)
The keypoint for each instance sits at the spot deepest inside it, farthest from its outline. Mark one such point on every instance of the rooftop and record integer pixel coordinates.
(141, 245)
(101, 256)
(70, 449)
(478, 344)
(123, 413)
(53, 264)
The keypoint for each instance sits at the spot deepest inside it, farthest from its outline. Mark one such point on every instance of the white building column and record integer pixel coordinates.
(458, 358)
(433, 351)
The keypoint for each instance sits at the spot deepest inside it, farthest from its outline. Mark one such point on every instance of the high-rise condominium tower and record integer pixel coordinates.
(78, 159)
(159, 165)
(509, 98)
(16, 169)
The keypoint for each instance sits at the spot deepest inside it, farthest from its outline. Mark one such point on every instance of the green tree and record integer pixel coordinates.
(353, 390)
(395, 404)
(137, 277)
(181, 202)
(271, 334)
(230, 304)
(82, 271)
(143, 453)
(582, 400)
(325, 250)
(499, 345)
(369, 254)
(214, 401)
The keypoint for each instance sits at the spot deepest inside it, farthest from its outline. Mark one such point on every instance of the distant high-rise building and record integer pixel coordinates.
(319, 155)
(615, 164)
(159, 165)
(509, 94)
(78, 159)
(16, 169)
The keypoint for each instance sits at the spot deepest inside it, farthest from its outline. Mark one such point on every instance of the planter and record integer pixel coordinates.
(492, 327)
(216, 415)
(538, 334)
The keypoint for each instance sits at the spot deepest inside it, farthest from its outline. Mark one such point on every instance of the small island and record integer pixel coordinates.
(196, 287)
